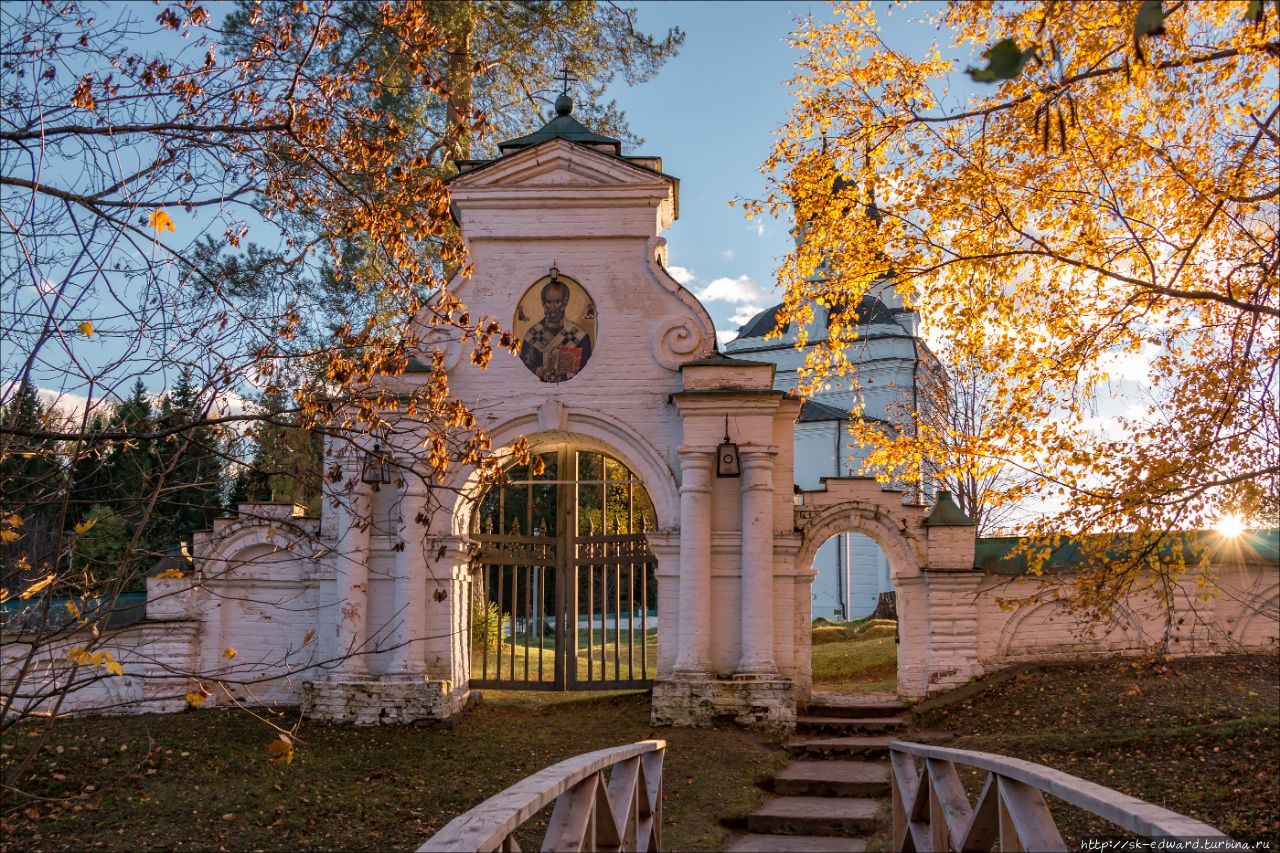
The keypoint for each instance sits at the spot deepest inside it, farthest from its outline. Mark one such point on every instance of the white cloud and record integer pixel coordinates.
(758, 227)
(746, 296)
(727, 254)
(736, 291)
(724, 336)
(745, 313)
(684, 275)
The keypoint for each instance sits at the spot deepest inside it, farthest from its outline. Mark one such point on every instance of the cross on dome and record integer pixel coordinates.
(564, 103)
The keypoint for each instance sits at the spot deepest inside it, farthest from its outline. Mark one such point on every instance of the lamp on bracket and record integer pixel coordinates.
(727, 462)
(377, 469)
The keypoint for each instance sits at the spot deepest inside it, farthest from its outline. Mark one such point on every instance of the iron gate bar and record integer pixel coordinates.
(568, 554)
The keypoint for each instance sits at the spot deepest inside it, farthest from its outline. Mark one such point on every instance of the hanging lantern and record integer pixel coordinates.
(554, 272)
(376, 471)
(727, 464)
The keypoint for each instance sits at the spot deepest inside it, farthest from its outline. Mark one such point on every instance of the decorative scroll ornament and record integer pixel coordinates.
(676, 341)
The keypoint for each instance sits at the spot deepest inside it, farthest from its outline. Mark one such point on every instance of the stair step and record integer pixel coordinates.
(835, 705)
(825, 816)
(833, 778)
(874, 746)
(795, 844)
(852, 725)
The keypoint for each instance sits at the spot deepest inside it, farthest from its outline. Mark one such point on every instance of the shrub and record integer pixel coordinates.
(488, 624)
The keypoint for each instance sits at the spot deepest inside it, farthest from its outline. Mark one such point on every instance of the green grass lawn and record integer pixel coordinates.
(1200, 736)
(855, 657)
(203, 781)
(601, 661)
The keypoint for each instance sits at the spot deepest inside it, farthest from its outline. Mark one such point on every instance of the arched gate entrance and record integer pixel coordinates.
(566, 595)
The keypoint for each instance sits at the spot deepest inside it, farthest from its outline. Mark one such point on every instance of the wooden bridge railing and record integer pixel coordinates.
(623, 812)
(931, 810)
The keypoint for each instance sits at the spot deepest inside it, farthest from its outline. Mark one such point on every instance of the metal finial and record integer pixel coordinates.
(564, 103)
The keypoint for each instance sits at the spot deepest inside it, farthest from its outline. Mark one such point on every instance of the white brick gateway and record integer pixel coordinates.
(361, 615)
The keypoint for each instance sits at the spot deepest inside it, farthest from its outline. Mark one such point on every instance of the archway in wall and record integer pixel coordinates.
(855, 647)
(566, 597)
(856, 505)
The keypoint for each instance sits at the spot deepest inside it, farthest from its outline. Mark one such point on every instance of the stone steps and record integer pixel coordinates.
(833, 778)
(829, 797)
(795, 844)
(847, 725)
(822, 816)
(852, 746)
(838, 705)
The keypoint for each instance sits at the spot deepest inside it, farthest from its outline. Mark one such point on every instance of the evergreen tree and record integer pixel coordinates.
(31, 478)
(288, 460)
(191, 494)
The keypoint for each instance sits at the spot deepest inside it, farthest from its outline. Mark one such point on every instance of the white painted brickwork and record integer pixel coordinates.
(333, 614)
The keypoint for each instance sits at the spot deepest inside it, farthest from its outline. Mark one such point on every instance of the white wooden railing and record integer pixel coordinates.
(931, 810)
(623, 812)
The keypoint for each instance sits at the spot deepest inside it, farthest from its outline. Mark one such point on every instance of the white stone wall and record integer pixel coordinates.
(255, 590)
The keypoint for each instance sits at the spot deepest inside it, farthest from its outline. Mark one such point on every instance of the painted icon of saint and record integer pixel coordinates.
(556, 347)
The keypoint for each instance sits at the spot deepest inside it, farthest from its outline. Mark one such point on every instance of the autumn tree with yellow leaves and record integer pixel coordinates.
(1107, 192)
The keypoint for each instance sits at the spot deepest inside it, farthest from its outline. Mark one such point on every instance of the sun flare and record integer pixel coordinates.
(1230, 526)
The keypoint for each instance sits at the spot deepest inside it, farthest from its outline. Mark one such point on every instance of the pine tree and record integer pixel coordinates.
(191, 494)
(31, 481)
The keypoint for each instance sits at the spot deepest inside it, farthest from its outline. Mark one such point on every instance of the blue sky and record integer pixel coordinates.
(711, 113)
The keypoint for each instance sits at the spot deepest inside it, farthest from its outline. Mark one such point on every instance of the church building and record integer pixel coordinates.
(651, 537)
(852, 572)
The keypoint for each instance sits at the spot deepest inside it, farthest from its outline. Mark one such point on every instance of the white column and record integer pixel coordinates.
(410, 585)
(695, 561)
(757, 561)
(352, 565)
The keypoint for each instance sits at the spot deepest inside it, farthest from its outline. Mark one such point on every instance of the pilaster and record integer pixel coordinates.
(695, 561)
(757, 628)
(351, 564)
(409, 590)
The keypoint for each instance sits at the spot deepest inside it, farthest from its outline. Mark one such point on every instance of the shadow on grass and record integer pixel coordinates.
(203, 780)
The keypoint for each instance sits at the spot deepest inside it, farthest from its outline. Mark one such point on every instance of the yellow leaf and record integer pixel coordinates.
(8, 536)
(195, 700)
(113, 667)
(86, 525)
(170, 574)
(4, 594)
(36, 587)
(161, 221)
(229, 653)
(86, 329)
(13, 520)
(281, 750)
(309, 637)
(73, 609)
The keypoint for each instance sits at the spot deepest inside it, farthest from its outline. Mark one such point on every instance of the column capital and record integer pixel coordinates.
(695, 470)
(756, 453)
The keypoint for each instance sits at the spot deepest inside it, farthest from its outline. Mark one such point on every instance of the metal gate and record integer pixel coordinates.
(565, 597)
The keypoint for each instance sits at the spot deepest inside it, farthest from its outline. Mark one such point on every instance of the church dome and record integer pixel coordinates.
(870, 311)
(763, 323)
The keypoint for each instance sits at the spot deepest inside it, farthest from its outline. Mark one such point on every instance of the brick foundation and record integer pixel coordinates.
(380, 700)
(693, 699)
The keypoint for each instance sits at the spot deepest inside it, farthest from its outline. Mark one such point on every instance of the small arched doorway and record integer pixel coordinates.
(855, 627)
(860, 506)
(565, 597)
